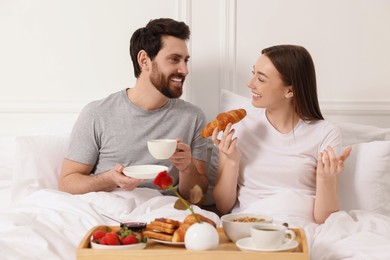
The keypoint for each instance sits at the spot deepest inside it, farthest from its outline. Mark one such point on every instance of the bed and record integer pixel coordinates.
(39, 222)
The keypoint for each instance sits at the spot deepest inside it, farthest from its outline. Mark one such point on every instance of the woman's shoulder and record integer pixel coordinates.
(322, 126)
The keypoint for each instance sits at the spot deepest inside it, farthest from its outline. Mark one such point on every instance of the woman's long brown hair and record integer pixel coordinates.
(296, 67)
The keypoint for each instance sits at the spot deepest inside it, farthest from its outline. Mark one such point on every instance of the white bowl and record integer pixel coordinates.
(235, 230)
(118, 247)
(162, 149)
(144, 171)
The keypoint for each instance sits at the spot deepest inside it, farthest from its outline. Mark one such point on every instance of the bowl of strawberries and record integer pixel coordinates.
(122, 238)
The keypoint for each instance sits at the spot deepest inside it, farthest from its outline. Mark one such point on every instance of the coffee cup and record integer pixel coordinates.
(162, 148)
(270, 235)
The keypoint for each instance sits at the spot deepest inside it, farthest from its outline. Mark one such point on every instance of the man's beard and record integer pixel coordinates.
(161, 82)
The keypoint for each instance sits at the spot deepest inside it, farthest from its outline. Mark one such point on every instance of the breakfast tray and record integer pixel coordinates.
(226, 250)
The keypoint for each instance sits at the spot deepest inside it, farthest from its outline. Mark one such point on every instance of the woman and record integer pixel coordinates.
(290, 148)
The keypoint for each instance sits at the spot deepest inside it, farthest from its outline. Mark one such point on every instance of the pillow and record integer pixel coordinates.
(38, 162)
(365, 181)
(229, 101)
(353, 133)
(7, 155)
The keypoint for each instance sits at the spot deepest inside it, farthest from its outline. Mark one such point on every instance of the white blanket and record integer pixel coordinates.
(352, 235)
(50, 224)
(344, 235)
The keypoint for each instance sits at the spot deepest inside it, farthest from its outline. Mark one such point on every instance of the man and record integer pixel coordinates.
(112, 133)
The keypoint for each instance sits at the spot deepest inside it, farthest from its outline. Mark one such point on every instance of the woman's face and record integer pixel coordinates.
(268, 89)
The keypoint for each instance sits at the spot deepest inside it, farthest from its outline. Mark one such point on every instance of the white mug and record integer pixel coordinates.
(270, 235)
(162, 148)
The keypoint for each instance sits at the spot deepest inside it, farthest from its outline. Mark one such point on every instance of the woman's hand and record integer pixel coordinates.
(227, 145)
(328, 165)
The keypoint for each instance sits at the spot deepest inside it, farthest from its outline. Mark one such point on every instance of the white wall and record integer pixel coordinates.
(58, 55)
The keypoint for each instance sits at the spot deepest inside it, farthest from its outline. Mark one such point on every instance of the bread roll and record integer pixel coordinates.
(190, 219)
(179, 234)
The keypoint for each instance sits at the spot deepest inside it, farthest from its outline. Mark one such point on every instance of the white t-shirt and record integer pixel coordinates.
(273, 163)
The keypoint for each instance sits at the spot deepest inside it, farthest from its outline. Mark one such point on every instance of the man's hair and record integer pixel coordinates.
(296, 68)
(149, 38)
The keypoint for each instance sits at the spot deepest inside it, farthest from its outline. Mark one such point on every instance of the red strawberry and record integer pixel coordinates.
(139, 236)
(111, 239)
(98, 234)
(129, 240)
(103, 241)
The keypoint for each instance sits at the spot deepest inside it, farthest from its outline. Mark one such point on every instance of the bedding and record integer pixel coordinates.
(39, 222)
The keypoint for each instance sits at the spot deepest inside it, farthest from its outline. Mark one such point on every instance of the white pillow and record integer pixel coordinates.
(229, 101)
(353, 133)
(38, 162)
(365, 181)
(7, 155)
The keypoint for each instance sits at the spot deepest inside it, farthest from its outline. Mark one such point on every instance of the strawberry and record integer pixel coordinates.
(111, 239)
(102, 241)
(129, 240)
(139, 236)
(98, 234)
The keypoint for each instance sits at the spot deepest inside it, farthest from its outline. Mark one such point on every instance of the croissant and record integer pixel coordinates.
(222, 120)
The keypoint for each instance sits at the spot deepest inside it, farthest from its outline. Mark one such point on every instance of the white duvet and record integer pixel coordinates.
(49, 224)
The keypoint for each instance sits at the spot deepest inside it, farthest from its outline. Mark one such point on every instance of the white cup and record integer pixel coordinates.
(269, 235)
(162, 148)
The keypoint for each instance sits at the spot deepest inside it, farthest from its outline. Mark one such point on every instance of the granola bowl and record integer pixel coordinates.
(238, 225)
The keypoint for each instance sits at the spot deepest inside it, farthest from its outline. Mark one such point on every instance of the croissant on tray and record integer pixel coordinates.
(221, 121)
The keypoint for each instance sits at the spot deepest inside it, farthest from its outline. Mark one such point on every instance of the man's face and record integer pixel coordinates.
(169, 68)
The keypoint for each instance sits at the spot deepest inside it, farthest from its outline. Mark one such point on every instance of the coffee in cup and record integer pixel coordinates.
(162, 149)
(270, 235)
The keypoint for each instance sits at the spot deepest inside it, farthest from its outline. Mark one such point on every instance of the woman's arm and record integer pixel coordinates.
(225, 189)
(329, 166)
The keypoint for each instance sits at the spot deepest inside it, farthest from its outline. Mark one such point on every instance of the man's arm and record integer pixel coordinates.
(76, 178)
(191, 171)
(195, 173)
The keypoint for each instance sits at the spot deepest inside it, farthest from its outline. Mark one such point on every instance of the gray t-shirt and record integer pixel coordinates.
(114, 130)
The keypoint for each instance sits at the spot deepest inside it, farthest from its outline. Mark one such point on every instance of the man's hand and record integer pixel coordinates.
(181, 159)
(123, 181)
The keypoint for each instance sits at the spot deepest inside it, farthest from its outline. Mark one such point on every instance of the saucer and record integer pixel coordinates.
(144, 171)
(167, 242)
(246, 244)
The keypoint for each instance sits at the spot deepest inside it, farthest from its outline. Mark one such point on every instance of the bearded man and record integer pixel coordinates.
(112, 133)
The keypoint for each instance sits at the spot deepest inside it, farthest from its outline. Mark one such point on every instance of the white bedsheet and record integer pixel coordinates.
(353, 235)
(50, 224)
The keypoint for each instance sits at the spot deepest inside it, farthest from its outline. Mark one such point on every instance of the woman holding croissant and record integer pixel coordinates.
(289, 148)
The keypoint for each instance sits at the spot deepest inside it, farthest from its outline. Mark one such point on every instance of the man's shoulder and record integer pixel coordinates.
(106, 101)
(186, 107)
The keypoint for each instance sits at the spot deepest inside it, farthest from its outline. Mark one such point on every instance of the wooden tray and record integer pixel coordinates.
(226, 250)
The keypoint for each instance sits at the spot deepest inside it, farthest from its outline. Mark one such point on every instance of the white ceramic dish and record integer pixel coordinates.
(167, 242)
(246, 244)
(237, 230)
(144, 171)
(119, 247)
